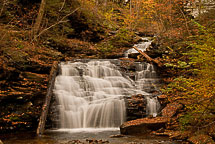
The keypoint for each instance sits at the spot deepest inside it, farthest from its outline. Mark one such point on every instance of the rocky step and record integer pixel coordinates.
(143, 125)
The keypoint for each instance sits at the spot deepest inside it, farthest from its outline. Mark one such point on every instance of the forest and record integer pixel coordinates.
(36, 33)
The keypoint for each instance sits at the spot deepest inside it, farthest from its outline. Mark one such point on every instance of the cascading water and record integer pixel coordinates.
(146, 79)
(91, 94)
(141, 46)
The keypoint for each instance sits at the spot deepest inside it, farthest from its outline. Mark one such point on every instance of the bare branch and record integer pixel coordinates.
(186, 23)
(59, 22)
(62, 5)
(4, 3)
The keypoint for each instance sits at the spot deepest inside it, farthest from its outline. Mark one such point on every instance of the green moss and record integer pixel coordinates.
(15, 118)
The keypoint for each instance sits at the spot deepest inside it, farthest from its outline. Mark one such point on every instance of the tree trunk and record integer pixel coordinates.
(45, 108)
(38, 21)
(148, 58)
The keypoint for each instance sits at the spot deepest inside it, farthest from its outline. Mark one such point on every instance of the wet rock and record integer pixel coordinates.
(143, 125)
(117, 136)
(136, 107)
(137, 39)
(144, 34)
(133, 55)
(171, 109)
(154, 50)
(74, 142)
(201, 139)
(162, 100)
(94, 141)
(115, 56)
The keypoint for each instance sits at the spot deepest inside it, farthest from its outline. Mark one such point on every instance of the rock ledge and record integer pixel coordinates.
(143, 125)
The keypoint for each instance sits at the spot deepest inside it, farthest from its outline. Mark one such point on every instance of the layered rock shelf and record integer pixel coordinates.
(144, 125)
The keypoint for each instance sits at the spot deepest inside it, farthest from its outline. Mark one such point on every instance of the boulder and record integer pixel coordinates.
(171, 109)
(144, 125)
(201, 139)
(162, 99)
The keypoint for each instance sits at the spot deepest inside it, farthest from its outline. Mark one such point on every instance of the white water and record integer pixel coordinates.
(142, 46)
(91, 95)
(146, 80)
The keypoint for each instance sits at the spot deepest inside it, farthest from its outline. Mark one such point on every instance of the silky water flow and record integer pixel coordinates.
(91, 94)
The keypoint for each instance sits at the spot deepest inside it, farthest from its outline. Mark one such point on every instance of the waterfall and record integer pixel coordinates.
(93, 98)
(146, 79)
(141, 46)
(91, 94)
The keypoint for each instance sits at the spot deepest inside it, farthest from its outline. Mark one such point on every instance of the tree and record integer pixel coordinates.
(38, 21)
(3, 5)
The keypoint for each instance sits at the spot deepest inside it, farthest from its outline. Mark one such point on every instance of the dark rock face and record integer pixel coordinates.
(73, 47)
(154, 50)
(133, 55)
(23, 84)
(115, 56)
(136, 107)
(162, 100)
(144, 125)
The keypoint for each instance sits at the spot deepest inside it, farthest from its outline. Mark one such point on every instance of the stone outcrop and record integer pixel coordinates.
(144, 125)
(23, 86)
(171, 109)
(162, 100)
(136, 107)
(175, 135)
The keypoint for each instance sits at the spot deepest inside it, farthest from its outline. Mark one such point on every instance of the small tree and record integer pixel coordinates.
(38, 21)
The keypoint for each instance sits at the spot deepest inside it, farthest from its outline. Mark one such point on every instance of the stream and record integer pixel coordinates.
(80, 136)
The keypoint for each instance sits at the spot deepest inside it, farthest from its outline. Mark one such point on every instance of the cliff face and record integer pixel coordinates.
(23, 86)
